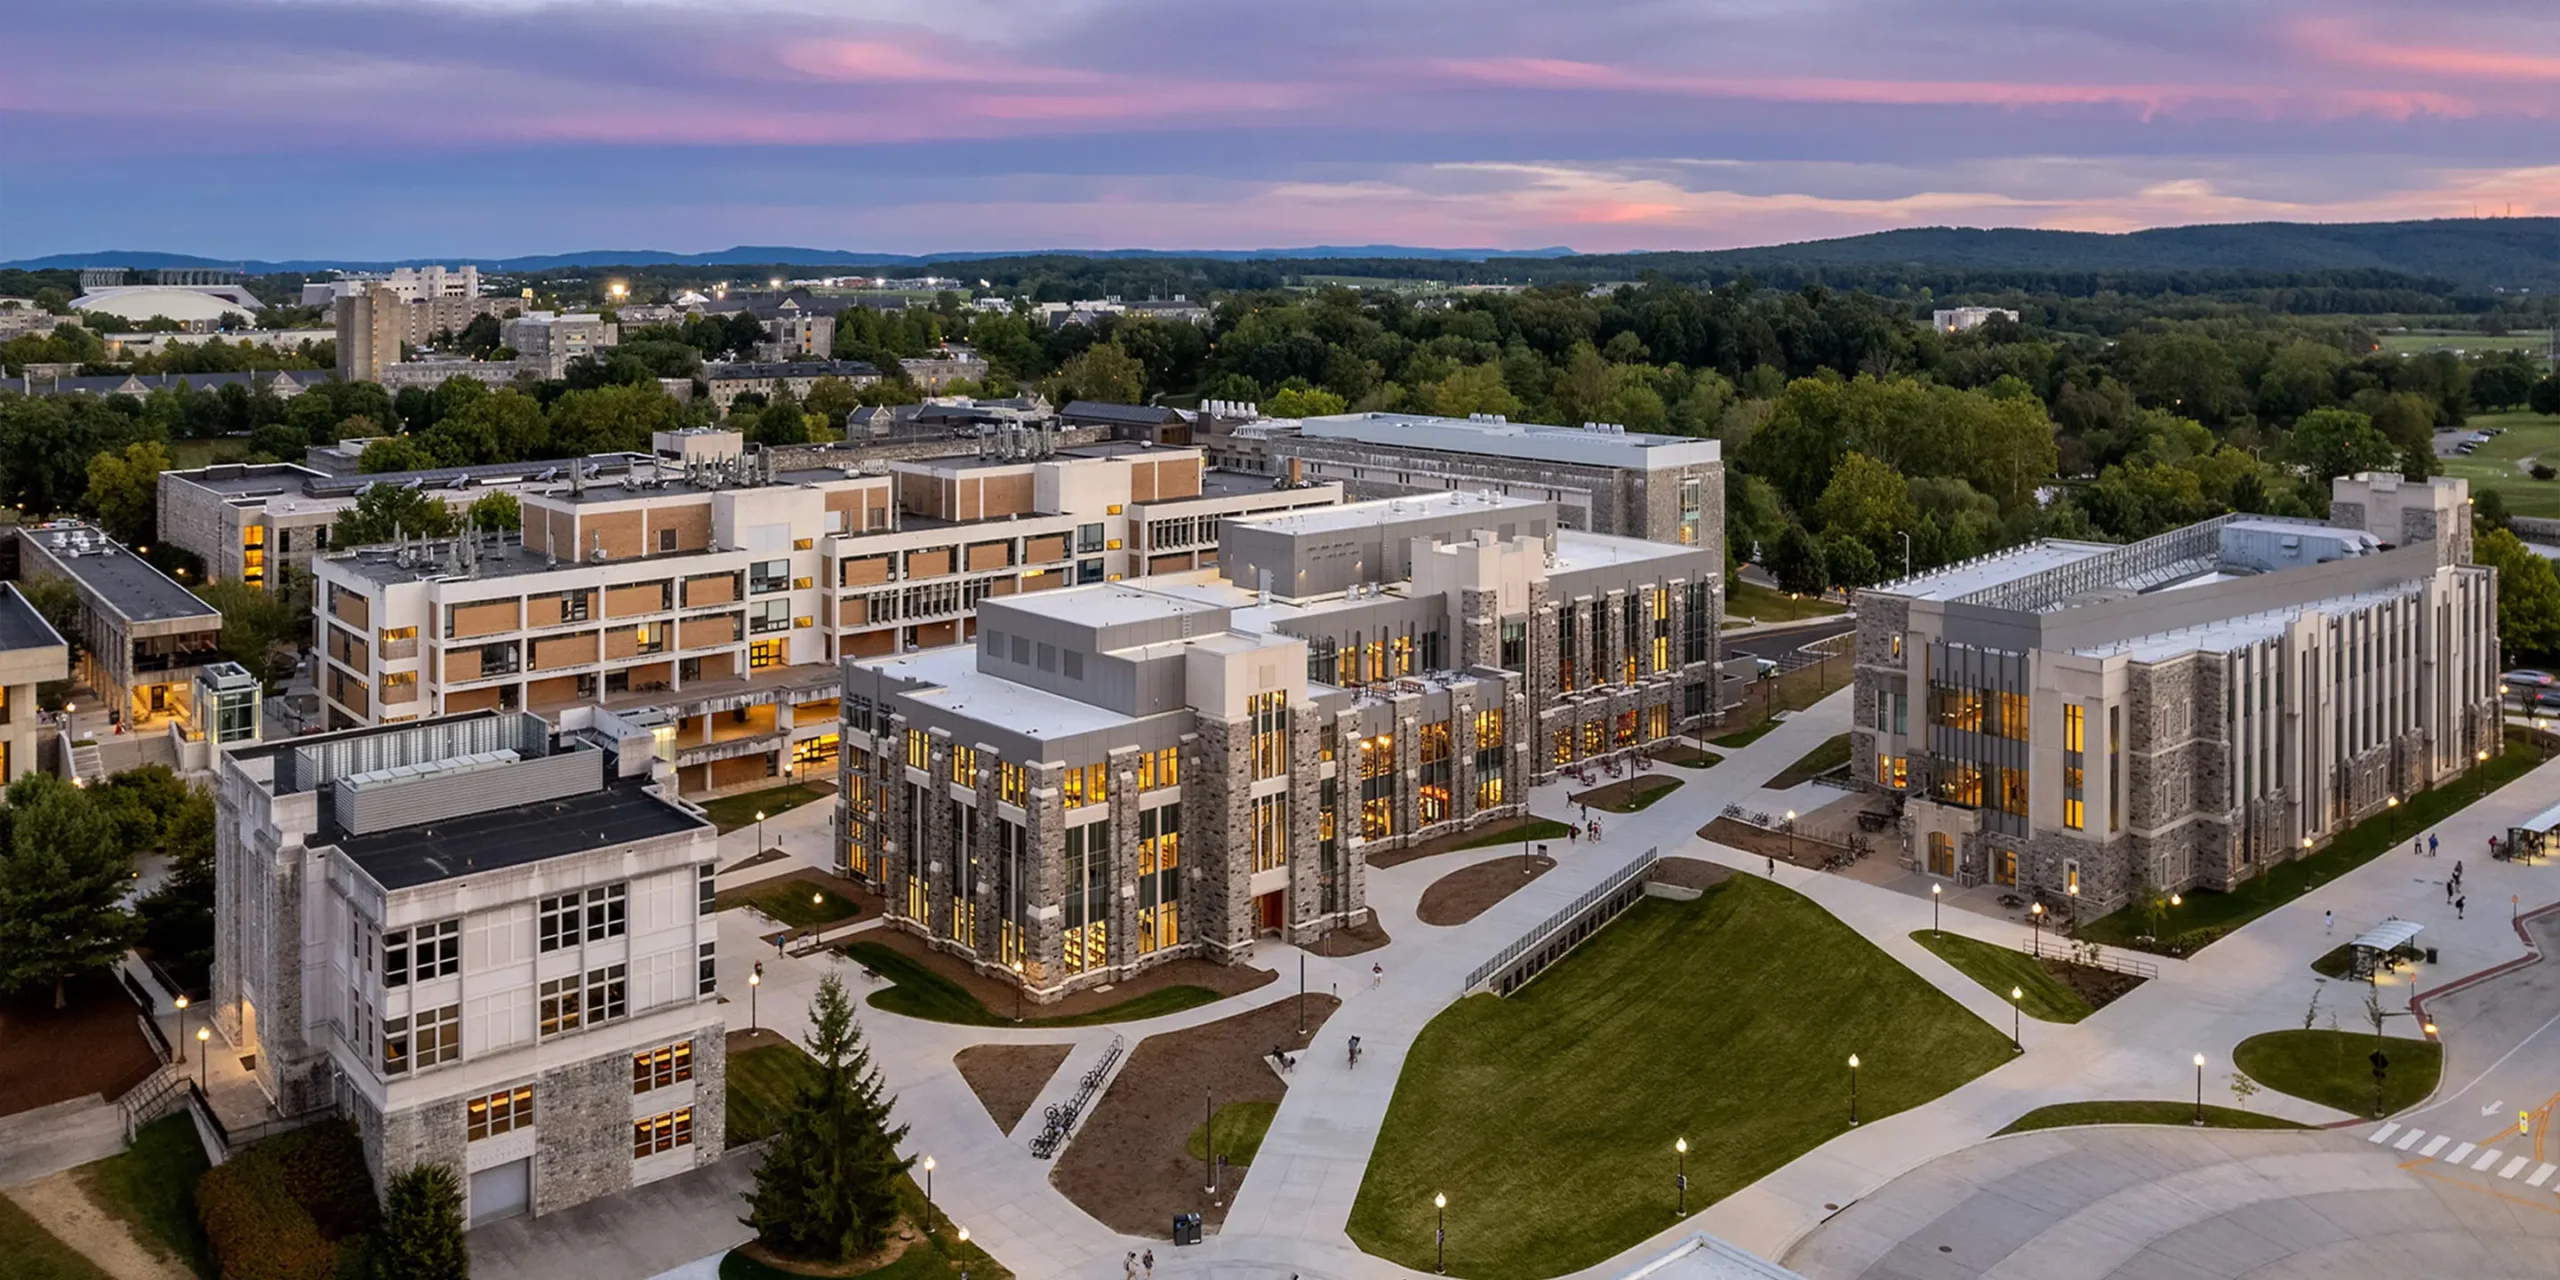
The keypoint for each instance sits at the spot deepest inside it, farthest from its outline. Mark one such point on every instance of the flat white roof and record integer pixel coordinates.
(957, 686)
(1103, 604)
(1576, 549)
(1990, 571)
(1530, 441)
(1354, 515)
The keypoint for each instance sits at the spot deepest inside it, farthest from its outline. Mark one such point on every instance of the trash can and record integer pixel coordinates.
(1186, 1228)
(2431, 955)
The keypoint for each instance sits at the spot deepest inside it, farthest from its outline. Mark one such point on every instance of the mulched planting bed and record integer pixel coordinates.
(1628, 795)
(1008, 1077)
(1689, 873)
(1130, 1165)
(998, 997)
(1688, 757)
(1463, 895)
(2100, 987)
(1351, 940)
(93, 1045)
(1760, 842)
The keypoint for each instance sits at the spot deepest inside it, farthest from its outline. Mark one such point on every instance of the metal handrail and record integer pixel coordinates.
(2096, 958)
(1552, 924)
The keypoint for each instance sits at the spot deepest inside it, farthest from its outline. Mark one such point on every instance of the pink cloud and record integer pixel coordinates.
(2148, 98)
(2343, 42)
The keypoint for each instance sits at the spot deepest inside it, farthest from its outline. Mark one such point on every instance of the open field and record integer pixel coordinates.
(1548, 1118)
(2500, 463)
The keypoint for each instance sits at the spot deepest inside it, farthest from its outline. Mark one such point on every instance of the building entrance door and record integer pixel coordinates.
(1268, 914)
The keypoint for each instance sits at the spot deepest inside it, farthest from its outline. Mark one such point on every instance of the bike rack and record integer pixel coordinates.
(1058, 1119)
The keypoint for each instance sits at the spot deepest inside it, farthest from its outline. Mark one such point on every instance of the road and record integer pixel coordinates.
(1784, 645)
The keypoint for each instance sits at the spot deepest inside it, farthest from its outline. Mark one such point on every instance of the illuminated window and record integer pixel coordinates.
(253, 555)
(661, 1133)
(964, 766)
(1378, 787)
(1431, 793)
(1013, 783)
(764, 653)
(918, 751)
(502, 1112)
(1270, 715)
(1942, 854)
(2074, 739)
(1894, 771)
(1159, 883)
(1270, 823)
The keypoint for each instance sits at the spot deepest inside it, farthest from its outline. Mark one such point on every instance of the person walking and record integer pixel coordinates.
(1149, 1263)
(1773, 864)
(2458, 904)
(2417, 847)
(1377, 976)
(2448, 890)
(1129, 1267)
(2431, 844)
(2328, 922)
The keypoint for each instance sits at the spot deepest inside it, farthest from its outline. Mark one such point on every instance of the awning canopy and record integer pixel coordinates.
(2389, 934)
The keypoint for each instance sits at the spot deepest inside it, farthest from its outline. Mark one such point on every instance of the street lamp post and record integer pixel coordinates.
(1440, 1235)
(204, 1063)
(1791, 835)
(759, 830)
(2035, 917)
(754, 980)
(964, 1253)
(2481, 757)
(1681, 1145)
(928, 1193)
(1208, 1144)
(1936, 891)
(2017, 1019)
(182, 1026)
(1853, 1091)
(2199, 1120)
(2074, 891)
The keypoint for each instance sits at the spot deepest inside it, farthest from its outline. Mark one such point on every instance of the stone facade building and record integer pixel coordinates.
(489, 946)
(2086, 722)
(1118, 775)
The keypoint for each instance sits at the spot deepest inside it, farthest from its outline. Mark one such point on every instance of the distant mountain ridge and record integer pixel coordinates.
(2473, 254)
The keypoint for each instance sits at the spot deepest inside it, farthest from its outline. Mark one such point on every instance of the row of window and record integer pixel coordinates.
(602, 995)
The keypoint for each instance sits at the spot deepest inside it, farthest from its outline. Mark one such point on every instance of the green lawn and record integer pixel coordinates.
(762, 1082)
(2065, 1114)
(1737, 741)
(2001, 970)
(1794, 691)
(797, 903)
(2332, 1068)
(921, 993)
(33, 1253)
(151, 1187)
(1832, 754)
(1750, 600)
(1636, 794)
(2206, 916)
(733, 812)
(187, 455)
(1548, 1118)
(2526, 435)
(1240, 1128)
(1509, 833)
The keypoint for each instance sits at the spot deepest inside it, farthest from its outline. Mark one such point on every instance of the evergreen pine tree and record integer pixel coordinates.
(63, 876)
(828, 1188)
(422, 1228)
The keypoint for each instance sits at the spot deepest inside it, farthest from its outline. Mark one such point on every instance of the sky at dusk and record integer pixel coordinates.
(331, 128)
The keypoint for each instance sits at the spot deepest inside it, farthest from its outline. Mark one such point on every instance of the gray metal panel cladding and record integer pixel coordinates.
(386, 806)
(305, 768)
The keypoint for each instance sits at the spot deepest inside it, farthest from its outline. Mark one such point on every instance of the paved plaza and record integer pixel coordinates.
(1290, 1215)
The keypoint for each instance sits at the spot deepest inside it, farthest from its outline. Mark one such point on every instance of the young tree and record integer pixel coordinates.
(124, 490)
(827, 1190)
(1797, 562)
(62, 883)
(385, 509)
(422, 1228)
(2338, 442)
(494, 510)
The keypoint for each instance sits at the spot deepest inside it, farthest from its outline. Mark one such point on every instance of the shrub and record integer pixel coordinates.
(325, 1172)
(2544, 471)
(255, 1230)
(422, 1230)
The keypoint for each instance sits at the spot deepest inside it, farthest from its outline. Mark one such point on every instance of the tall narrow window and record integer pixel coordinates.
(2074, 762)
(1432, 793)
(1378, 787)
(1270, 715)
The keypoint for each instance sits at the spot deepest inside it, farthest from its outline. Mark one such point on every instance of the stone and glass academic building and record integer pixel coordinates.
(1108, 777)
(2086, 721)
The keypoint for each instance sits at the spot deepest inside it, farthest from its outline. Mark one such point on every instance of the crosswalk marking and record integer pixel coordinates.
(2411, 1137)
(2542, 1175)
(2384, 1133)
(2515, 1166)
(2488, 1156)
(2434, 1145)
(2459, 1154)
